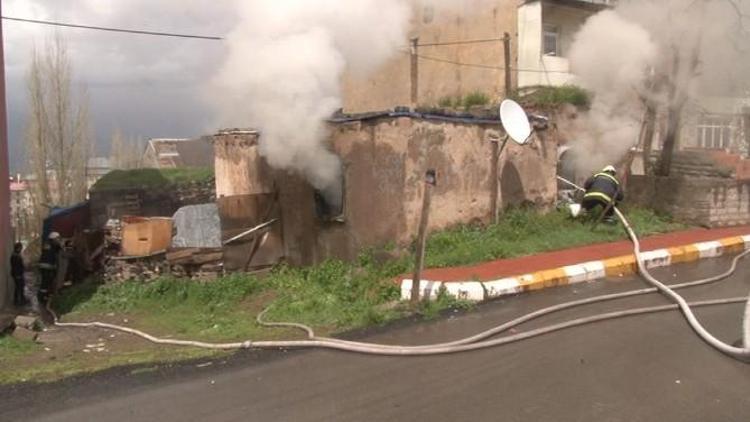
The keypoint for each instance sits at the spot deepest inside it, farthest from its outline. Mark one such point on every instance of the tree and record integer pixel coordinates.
(57, 138)
(125, 152)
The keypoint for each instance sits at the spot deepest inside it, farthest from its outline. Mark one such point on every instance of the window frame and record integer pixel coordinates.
(553, 31)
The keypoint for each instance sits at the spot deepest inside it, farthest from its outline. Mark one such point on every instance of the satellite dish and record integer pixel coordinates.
(515, 121)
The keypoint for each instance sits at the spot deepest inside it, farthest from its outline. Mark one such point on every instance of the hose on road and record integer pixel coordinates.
(479, 341)
(742, 353)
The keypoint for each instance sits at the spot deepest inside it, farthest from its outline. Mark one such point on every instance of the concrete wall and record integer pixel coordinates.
(390, 85)
(384, 164)
(704, 201)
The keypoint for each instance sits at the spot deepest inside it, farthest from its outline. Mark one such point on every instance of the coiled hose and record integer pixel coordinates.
(479, 341)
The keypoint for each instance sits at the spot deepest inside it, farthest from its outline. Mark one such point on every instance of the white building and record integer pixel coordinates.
(545, 35)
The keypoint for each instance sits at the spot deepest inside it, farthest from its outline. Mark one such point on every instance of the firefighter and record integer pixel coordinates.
(48, 265)
(603, 189)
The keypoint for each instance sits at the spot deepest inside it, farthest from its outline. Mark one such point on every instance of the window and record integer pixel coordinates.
(714, 131)
(329, 202)
(551, 41)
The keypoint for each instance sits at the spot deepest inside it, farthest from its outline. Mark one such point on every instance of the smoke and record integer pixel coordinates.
(614, 71)
(669, 53)
(284, 66)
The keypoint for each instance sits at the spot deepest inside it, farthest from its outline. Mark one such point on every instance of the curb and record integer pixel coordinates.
(477, 291)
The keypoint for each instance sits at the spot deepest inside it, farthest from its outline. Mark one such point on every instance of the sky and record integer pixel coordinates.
(146, 86)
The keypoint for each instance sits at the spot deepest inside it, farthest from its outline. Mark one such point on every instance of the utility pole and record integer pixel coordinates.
(430, 182)
(4, 185)
(493, 179)
(414, 71)
(506, 52)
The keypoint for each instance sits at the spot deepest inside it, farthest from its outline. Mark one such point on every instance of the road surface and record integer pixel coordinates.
(643, 368)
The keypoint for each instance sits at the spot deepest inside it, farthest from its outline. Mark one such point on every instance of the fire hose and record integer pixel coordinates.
(479, 341)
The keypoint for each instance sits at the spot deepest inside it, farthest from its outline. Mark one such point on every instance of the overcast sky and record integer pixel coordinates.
(145, 85)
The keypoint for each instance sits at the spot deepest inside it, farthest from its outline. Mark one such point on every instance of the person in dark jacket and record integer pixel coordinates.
(17, 269)
(603, 189)
(48, 265)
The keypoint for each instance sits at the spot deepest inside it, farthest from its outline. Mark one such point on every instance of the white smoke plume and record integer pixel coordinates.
(615, 72)
(664, 51)
(284, 66)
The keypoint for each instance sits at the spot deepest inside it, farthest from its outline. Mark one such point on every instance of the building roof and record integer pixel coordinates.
(174, 153)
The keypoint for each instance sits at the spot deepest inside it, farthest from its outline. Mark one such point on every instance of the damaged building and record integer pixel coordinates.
(384, 157)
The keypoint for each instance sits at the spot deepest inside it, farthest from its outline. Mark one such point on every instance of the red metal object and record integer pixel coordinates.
(4, 186)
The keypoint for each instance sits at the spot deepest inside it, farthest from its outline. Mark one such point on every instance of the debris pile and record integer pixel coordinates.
(144, 269)
(198, 263)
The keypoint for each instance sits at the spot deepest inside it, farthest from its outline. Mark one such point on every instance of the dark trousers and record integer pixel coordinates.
(590, 203)
(48, 282)
(18, 297)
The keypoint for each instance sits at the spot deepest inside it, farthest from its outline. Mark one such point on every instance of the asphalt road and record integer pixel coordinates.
(642, 368)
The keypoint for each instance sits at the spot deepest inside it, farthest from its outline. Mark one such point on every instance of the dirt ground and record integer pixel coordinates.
(62, 352)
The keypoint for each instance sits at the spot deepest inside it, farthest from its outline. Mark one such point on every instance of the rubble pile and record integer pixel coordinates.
(197, 263)
(135, 269)
(194, 263)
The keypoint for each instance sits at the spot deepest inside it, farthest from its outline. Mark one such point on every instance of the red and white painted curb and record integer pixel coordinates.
(477, 291)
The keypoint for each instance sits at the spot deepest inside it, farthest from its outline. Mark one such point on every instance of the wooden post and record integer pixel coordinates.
(493, 179)
(508, 80)
(414, 71)
(429, 183)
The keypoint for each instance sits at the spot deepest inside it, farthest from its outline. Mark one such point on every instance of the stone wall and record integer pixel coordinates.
(710, 202)
(155, 202)
(384, 162)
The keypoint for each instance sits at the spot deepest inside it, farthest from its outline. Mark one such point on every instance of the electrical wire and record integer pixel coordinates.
(484, 66)
(463, 42)
(110, 29)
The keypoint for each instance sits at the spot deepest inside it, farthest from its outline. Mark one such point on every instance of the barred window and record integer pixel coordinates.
(714, 131)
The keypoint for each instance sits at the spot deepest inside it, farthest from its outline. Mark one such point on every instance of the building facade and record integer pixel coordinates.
(546, 30)
(384, 159)
(459, 51)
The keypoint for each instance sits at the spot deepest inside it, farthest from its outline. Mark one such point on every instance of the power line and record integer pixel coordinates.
(484, 66)
(479, 41)
(109, 29)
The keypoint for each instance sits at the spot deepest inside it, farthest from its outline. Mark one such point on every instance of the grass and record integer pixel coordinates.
(11, 348)
(151, 178)
(332, 297)
(553, 96)
(521, 232)
(471, 99)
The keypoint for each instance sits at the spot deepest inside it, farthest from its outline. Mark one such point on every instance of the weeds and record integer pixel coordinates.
(472, 99)
(523, 232)
(553, 96)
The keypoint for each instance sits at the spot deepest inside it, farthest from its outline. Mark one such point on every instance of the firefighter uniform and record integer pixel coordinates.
(601, 190)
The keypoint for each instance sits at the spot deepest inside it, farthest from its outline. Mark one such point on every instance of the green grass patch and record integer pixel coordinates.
(523, 232)
(467, 101)
(12, 348)
(151, 178)
(331, 297)
(553, 96)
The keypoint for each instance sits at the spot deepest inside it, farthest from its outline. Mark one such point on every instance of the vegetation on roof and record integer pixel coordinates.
(471, 99)
(152, 178)
(553, 96)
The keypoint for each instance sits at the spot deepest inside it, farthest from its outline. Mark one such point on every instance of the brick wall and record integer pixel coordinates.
(710, 202)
